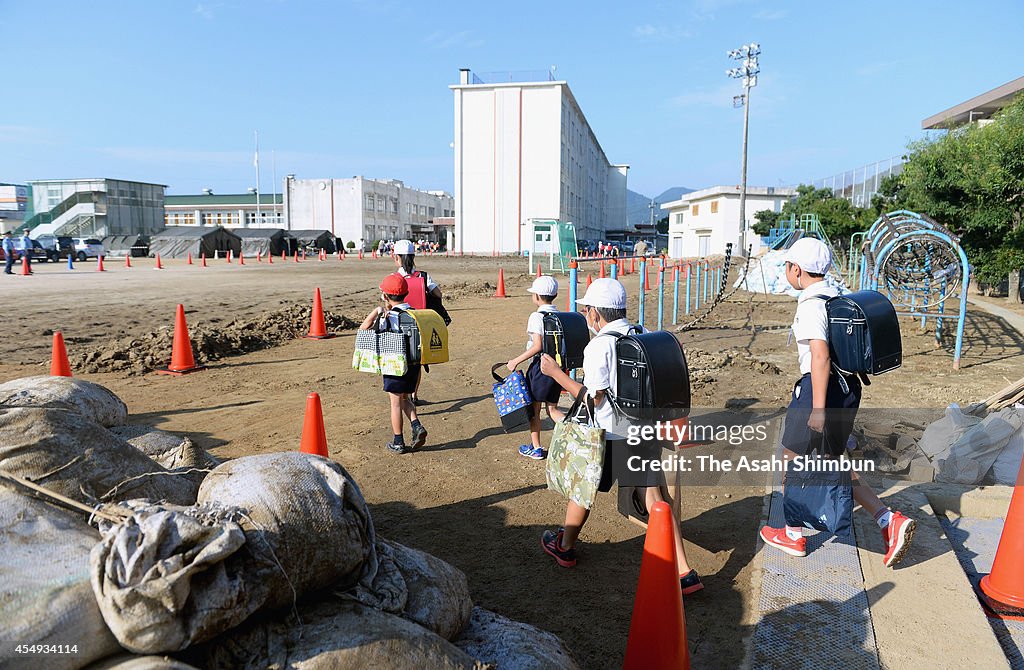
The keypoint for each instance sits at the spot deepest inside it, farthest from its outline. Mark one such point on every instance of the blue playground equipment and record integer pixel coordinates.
(919, 265)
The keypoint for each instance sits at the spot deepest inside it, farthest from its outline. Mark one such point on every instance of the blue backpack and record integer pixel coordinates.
(863, 334)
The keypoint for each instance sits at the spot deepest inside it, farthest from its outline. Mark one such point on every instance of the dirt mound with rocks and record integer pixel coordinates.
(142, 354)
(704, 365)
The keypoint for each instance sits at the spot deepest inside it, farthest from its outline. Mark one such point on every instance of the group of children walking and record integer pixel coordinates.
(818, 391)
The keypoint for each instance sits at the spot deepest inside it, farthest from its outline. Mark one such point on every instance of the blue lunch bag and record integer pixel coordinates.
(512, 398)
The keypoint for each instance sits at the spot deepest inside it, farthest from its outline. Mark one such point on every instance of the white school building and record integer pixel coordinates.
(701, 223)
(524, 150)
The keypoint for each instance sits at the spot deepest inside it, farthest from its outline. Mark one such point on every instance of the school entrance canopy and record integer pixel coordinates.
(179, 241)
(262, 240)
(318, 239)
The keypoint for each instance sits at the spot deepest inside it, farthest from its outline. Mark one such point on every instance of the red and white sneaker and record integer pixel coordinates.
(776, 537)
(897, 536)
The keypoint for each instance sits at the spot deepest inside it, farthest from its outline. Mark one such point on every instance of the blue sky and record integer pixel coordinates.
(171, 91)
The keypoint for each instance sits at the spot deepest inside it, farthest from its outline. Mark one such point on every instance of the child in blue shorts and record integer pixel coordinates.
(394, 289)
(543, 389)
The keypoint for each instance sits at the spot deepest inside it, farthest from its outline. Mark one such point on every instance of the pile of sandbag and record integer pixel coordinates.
(966, 449)
(263, 561)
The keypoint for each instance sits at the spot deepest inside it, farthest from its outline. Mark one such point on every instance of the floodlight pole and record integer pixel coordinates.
(748, 72)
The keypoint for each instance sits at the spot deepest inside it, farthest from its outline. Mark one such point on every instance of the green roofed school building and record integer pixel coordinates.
(94, 207)
(236, 210)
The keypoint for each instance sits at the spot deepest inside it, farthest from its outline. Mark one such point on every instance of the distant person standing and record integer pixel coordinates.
(8, 247)
(26, 249)
(640, 248)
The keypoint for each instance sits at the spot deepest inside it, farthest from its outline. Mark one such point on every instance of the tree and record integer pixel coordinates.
(766, 220)
(662, 225)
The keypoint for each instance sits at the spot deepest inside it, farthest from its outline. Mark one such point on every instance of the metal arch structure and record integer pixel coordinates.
(919, 264)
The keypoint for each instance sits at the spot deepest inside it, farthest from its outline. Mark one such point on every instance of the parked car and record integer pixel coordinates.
(56, 246)
(87, 247)
(38, 253)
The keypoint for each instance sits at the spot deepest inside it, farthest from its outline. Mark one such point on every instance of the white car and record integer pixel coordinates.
(87, 247)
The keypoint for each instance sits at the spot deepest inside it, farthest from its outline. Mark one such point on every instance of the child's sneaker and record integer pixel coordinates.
(776, 537)
(690, 583)
(419, 436)
(551, 541)
(399, 448)
(530, 451)
(897, 536)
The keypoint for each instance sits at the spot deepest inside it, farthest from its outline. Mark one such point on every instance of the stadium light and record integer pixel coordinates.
(748, 72)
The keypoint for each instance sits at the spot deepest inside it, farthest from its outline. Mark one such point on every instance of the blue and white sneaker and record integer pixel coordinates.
(530, 451)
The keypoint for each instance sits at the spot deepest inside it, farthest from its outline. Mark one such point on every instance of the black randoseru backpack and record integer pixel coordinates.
(863, 334)
(566, 335)
(651, 373)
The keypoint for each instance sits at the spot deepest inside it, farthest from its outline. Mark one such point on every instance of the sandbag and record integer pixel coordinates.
(510, 645)
(335, 634)
(310, 514)
(45, 596)
(133, 662)
(974, 452)
(438, 593)
(164, 578)
(1006, 468)
(169, 450)
(67, 452)
(92, 400)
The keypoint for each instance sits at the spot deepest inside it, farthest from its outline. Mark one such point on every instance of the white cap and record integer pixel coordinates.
(607, 293)
(544, 285)
(811, 254)
(404, 248)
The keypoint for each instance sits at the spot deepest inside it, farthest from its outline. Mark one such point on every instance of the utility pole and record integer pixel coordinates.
(748, 53)
(256, 164)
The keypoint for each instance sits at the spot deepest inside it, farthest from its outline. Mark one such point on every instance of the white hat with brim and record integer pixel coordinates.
(607, 293)
(404, 248)
(811, 255)
(544, 285)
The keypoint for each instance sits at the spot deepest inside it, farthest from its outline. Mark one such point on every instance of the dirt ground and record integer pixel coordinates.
(468, 497)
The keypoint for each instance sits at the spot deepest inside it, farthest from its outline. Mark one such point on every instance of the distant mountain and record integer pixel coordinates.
(637, 204)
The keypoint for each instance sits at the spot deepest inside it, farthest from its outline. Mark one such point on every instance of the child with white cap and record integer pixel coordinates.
(822, 408)
(604, 306)
(543, 389)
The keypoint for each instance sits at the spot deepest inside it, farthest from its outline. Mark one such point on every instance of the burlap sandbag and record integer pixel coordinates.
(67, 452)
(169, 450)
(91, 400)
(331, 635)
(133, 662)
(437, 593)
(511, 645)
(45, 597)
(309, 513)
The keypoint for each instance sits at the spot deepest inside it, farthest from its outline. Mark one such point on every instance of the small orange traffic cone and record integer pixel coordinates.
(647, 278)
(1002, 590)
(182, 361)
(259, 256)
(360, 254)
(317, 327)
(500, 293)
(202, 257)
(99, 264)
(128, 261)
(24, 266)
(159, 265)
(590, 279)
(270, 258)
(303, 253)
(189, 260)
(283, 256)
(632, 265)
(539, 273)
(59, 366)
(241, 258)
(314, 438)
(657, 631)
(295, 257)
(601, 273)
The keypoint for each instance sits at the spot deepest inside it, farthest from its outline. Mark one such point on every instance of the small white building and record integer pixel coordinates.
(524, 150)
(701, 223)
(365, 209)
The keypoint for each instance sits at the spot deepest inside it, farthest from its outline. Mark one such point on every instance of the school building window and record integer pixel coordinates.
(714, 207)
(380, 204)
(694, 209)
(368, 204)
(679, 217)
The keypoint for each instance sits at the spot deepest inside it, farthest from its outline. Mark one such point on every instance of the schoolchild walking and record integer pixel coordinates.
(604, 306)
(399, 389)
(543, 389)
(823, 405)
(405, 260)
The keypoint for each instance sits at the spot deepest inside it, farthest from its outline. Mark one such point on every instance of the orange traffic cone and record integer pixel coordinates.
(539, 273)
(601, 274)
(189, 259)
(360, 254)
(128, 261)
(159, 265)
(500, 293)
(632, 264)
(303, 254)
(657, 631)
(24, 266)
(1002, 590)
(259, 256)
(241, 258)
(182, 361)
(314, 438)
(202, 257)
(99, 264)
(270, 258)
(317, 327)
(59, 366)
(590, 279)
(647, 278)
(283, 256)
(295, 257)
